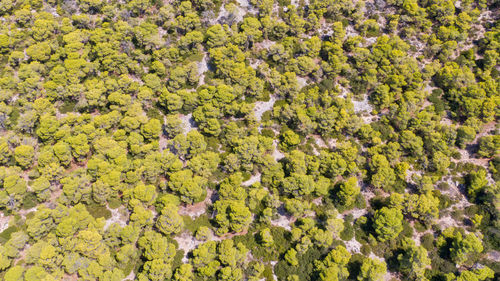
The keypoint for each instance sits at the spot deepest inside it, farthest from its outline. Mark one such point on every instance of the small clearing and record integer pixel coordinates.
(302, 82)
(188, 123)
(362, 105)
(283, 221)
(263, 106)
(131, 276)
(253, 179)
(187, 243)
(353, 246)
(198, 209)
(116, 217)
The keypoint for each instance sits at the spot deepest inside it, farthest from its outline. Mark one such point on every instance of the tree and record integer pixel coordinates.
(348, 191)
(155, 270)
(79, 145)
(413, 261)
(382, 174)
(154, 246)
(5, 152)
(216, 36)
(489, 146)
(24, 155)
(372, 270)
(291, 257)
(333, 266)
(41, 186)
(232, 215)
(63, 153)
(39, 52)
(145, 193)
(476, 183)
(184, 273)
(290, 139)
(190, 187)
(477, 274)
(151, 130)
(266, 237)
(14, 273)
(204, 164)
(169, 222)
(388, 223)
(465, 248)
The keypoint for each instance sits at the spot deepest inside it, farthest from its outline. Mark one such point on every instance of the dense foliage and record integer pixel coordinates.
(222, 140)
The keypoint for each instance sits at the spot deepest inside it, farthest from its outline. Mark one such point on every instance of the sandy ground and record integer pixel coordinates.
(283, 221)
(273, 263)
(319, 141)
(277, 155)
(202, 68)
(187, 243)
(4, 222)
(362, 106)
(357, 213)
(116, 217)
(263, 106)
(494, 256)
(353, 246)
(247, 7)
(302, 82)
(23, 213)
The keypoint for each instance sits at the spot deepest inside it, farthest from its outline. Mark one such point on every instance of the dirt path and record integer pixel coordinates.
(198, 209)
(277, 155)
(253, 179)
(202, 68)
(353, 246)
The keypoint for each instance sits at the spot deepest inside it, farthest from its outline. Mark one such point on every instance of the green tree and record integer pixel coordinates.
(372, 270)
(169, 221)
(184, 273)
(414, 260)
(24, 155)
(266, 237)
(388, 223)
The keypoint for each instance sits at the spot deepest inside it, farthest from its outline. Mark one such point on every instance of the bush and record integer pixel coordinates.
(266, 116)
(437, 101)
(268, 273)
(366, 249)
(443, 186)
(280, 246)
(193, 225)
(427, 241)
(419, 227)
(305, 268)
(348, 232)
(98, 211)
(267, 133)
(5, 235)
(29, 201)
